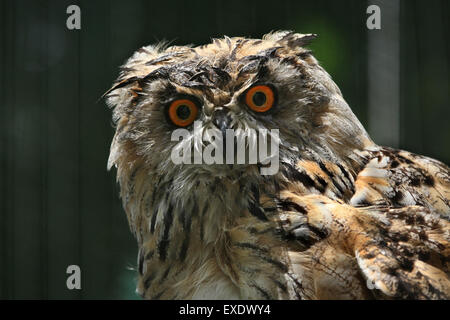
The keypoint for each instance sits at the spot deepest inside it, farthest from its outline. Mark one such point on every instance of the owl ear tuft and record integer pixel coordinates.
(291, 39)
(294, 40)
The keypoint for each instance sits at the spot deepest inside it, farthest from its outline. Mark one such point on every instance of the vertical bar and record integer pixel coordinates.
(425, 78)
(25, 193)
(412, 113)
(3, 151)
(5, 107)
(43, 120)
(63, 212)
(384, 75)
(96, 242)
(10, 155)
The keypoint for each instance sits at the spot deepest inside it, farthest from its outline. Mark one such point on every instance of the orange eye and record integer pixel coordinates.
(260, 98)
(183, 112)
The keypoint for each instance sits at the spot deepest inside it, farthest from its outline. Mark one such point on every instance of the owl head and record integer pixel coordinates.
(247, 85)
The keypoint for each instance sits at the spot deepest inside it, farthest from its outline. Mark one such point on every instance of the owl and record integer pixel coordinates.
(340, 218)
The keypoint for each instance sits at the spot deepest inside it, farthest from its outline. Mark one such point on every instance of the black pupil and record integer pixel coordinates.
(259, 98)
(183, 112)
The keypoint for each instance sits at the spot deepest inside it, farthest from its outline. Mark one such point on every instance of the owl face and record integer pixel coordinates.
(244, 85)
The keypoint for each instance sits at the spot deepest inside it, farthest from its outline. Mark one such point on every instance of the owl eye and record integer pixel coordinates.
(182, 112)
(260, 98)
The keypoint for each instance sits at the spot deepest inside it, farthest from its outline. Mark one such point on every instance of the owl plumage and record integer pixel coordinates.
(343, 218)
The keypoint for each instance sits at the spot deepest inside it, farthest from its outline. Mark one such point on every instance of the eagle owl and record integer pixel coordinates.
(342, 218)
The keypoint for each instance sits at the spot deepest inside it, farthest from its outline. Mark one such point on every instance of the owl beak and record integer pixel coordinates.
(222, 120)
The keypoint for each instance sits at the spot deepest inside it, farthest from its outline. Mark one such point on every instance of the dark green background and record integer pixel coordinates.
(59, 205)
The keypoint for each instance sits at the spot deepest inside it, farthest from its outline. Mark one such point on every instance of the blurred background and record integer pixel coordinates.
(58, 204)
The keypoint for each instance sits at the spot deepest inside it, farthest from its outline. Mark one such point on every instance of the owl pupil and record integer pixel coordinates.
(259, 98)
(183, 112)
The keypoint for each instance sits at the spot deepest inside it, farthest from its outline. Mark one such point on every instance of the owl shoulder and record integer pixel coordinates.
(378, 251)
(399, 178)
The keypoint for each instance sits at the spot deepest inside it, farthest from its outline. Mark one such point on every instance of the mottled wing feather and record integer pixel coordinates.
(379, 251)
(399, 178)
(391, 239)
(407, 254)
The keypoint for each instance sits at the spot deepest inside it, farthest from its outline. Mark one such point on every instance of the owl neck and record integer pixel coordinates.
(210, 206)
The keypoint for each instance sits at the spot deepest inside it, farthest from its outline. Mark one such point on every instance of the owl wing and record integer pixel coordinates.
(391, 239)
(399, 178)
(381, 251)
